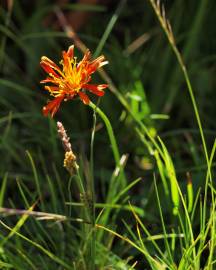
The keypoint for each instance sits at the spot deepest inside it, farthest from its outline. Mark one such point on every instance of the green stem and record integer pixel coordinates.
(87, 229)
(79, 182)
(112, 140)
(114, 186)
(167, 29)
(92, 187)
(171, 40)
(190, 45)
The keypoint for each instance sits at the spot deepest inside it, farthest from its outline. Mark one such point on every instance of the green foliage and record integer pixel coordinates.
(128, 205)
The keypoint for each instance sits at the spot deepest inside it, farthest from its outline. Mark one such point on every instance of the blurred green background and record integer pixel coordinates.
(144, 70)
(141, 64)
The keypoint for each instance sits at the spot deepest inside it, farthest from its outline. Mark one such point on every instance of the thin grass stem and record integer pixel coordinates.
(113, 142)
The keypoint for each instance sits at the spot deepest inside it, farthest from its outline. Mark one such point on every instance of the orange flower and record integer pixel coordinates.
(71, 80)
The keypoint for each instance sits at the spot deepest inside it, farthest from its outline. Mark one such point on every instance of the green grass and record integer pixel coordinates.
(144, 195)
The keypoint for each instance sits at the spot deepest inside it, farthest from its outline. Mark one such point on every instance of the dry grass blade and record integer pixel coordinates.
(137, 43)
(161, 13)
(39, 215)
(69, 30)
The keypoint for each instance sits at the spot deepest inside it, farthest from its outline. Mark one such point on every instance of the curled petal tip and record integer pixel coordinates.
(53, 106)
(70, 51)
(84, 98)
(103, 63)
(96, 89)
(45, 111)
(43, 58)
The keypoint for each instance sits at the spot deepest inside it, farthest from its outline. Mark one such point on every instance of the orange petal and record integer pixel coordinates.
(53, 106)
(52, 89)
(84, 98)
(50, 80)
(66, 64)
(48, 65)
(85, 60)
(86, 56)
(70, 51)
(49, 69)
(96, 89)
(49, 61)
(94, 65)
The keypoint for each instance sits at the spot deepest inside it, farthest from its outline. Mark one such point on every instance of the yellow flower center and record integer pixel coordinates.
(72, 76)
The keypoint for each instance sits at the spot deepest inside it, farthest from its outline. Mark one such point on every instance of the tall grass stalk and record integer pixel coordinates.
(160, 13)
(92, 187)
(113, 142)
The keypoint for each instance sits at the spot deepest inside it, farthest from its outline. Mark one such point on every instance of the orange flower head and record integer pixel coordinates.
(72, 80)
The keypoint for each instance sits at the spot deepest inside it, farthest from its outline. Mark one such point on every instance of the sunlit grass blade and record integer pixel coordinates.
(190, 193)
(172, 177)
(112, 199)
(41, 248)
(109, 27)
(3, 189)
(36, 178)
(17, 227)
(113, 142)
(167, 245)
